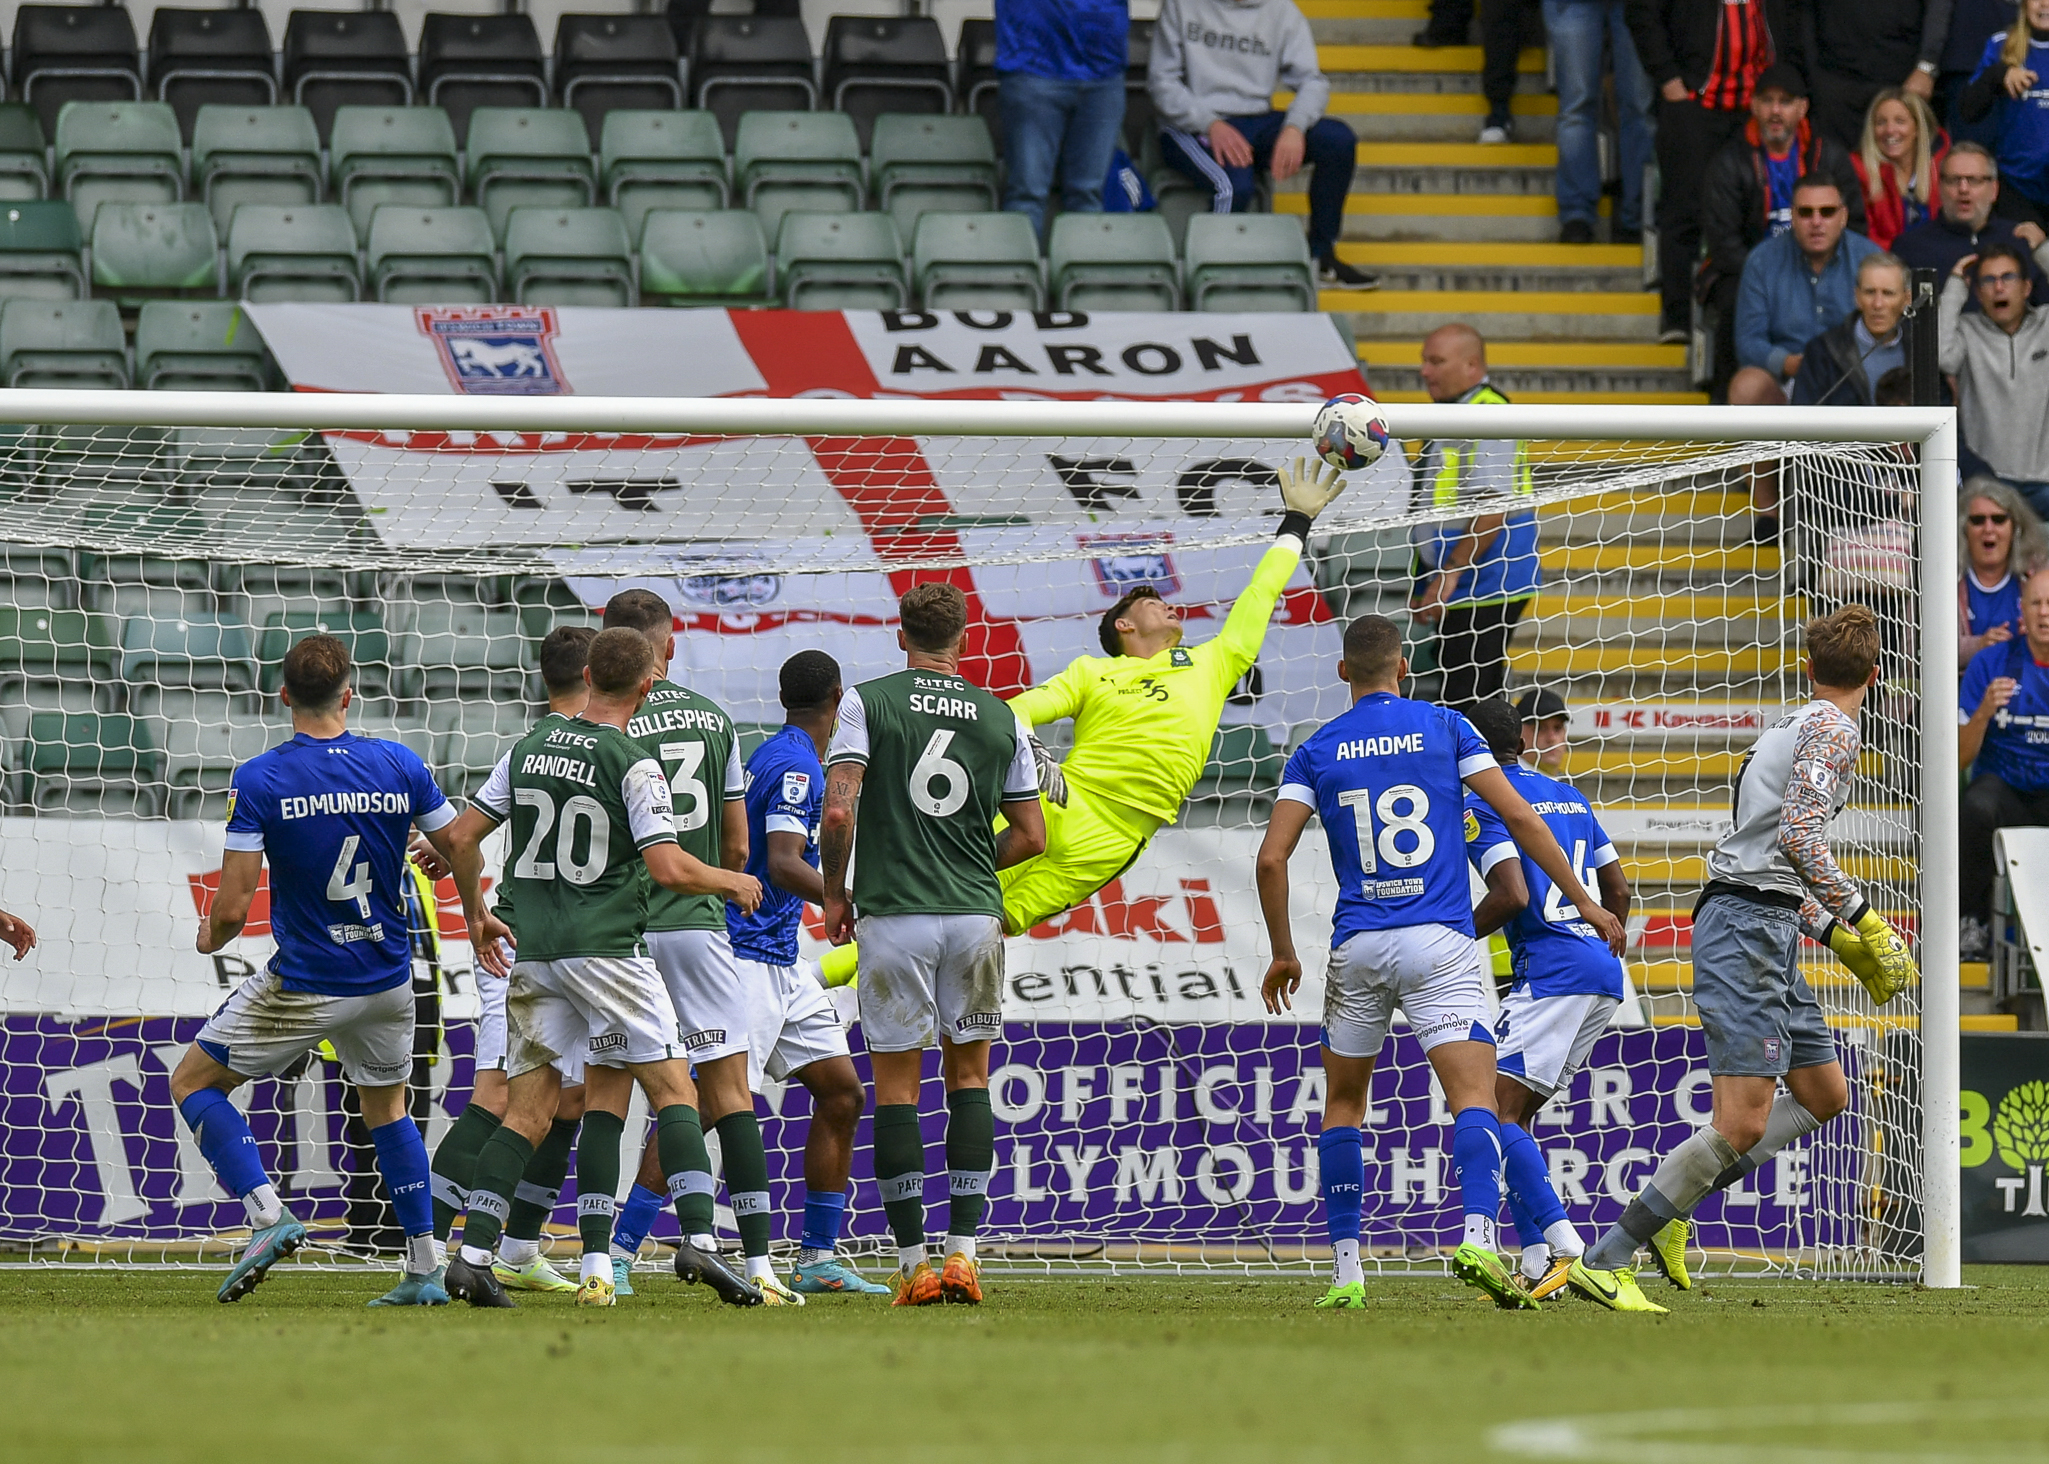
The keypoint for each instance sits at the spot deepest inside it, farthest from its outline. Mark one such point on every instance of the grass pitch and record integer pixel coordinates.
(110, 1367)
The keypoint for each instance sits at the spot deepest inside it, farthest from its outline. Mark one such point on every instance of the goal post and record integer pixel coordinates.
(163, 548)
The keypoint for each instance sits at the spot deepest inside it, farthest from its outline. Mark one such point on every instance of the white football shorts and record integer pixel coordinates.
(262, 1028)
(601, 1011)
(792, 1022)
(927, 976)
(712, 1007)
(491, 1032)
(1431, 972)
(1542, 1041)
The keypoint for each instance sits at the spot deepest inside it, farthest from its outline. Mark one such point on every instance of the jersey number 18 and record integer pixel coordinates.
(1393, 825)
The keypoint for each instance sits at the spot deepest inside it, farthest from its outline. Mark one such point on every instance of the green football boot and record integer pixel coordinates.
(1485, 1271)
(1351, 1297)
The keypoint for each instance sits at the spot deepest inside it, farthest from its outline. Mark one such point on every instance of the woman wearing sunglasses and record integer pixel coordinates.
(2003, 544)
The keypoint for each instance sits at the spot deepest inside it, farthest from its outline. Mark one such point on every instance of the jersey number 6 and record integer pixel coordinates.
(934, 766)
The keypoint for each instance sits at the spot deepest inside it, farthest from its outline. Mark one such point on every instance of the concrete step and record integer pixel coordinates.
(1499, 314)
(1467, 59)
(1718, 662)
(1627, 366)
(1507, 266)
(1659, 556)
(1454, 217)
(1689, 871)
(1437, 116)
(1545, 384)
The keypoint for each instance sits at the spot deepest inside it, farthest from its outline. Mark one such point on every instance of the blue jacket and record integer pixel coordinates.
(1066, 40)
(1781, 306)
(2023, 147)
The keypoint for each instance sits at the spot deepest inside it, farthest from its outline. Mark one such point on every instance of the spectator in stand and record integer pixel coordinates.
(1505, 27)
(2003, 706)
(1795, 286)
(1840, 366)
(2009, 89)
(1060, 65)
(1545, 719)
(1580, 31)
(1896, 164)
(1998, 360)
(1967, 180)
(1748, 195)
(1854, 49)
(2003, 544)
(1971, 24)
(1214, 69)
(1704, 56)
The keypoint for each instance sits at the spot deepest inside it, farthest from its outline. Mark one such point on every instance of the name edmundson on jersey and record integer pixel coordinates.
(317, 805)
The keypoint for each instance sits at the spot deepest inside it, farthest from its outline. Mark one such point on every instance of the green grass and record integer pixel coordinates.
(145, 1366)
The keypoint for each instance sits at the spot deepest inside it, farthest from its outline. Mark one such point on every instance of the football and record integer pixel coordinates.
(1350, 433)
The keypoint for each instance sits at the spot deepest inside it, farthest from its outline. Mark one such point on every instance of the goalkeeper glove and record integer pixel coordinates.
(1052, 783)
(1307, 488)
(1896, 968)
(1852, 952)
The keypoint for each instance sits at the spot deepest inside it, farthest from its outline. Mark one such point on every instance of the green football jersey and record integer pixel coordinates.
(941, 755)
(582, 801)
(694, 741)
(496, 793)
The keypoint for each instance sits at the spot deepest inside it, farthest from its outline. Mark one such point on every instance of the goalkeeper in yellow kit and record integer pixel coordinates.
(1144, 715)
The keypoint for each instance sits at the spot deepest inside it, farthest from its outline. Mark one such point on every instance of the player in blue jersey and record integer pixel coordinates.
(793, 1030)
(332, 813)
(1388, 778)
(1567, 982)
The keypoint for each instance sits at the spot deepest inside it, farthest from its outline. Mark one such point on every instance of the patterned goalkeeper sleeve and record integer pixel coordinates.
(1824, 760)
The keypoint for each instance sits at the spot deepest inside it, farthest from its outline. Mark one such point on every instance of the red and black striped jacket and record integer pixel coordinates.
(1715, 47)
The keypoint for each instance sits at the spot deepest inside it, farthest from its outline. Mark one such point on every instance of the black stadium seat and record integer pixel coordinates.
(202, 56)
(346, 58)
(1141, 122)
(683, 15)
(469, 61)
(73, 53)
(876, 64)
(750, 63)
(604, 62)
(975, 77)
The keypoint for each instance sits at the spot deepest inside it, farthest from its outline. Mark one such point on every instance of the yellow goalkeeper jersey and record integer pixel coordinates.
(1142, 729)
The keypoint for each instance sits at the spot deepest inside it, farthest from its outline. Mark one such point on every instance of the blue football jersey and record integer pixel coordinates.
(2000, 605)
(785, 794)
(2017, 743)
(1387, 779)
(332, 816)
(1555, 952)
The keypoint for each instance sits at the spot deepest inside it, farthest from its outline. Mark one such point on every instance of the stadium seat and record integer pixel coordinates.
(975, 78)
(254, 155)
(73, 53)
(24, 165)
(37, 578)
(528, 157)
(876, 64)
(198, 345)
(797, 160)
(1141, 121)
(299, 253)
(661, 160)
(131, 585)
(202, 57)
(471, 61)
(68, 343)
(203, 651)
(849, 261)
(750, 736)
(546, 602)
(263, 590)
(568, 256)
(346, 58)
(1255, 262)
(981, 261)
(143, 251)
(391, 727)
(87, 764)
(750, 63)
(458, 649)
(919, 165)
(362, 631)
(470, 737)
(607, 62)
(118, 152)
(432, 256)
(690, 258)
(1112, 262)
(1243, 771)
(39, 252)
(41, 644)
(392, 155)
(205, 736)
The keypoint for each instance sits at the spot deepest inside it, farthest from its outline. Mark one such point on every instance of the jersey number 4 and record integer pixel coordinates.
(350, 881)
(587, 812)
(1394, 822)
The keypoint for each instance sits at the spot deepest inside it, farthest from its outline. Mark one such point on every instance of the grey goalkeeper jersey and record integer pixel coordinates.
(1793, 781)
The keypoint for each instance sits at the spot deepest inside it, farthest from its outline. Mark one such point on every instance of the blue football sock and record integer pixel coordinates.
(1342, 1162)
(225, 1140)
(636, 1218)
(1531, 1199)
(402, 1160)
(1476, 1159)
(823, 1211)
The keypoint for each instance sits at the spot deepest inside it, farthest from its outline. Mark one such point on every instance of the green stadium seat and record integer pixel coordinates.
(1243, 771)
(922, 165)
(203, 747)
(40, 249)
(199, 650)
(263, 590)
(385, 724)
(650, 160)
(529, 157)
(198, 345)
(144, 251)
(1177, 198)
(254, 155)
(362, 631)
(469, 738)
(301, 252)
(544, 603)
(1112, 262)
(385, 155)
(129, 585)
(42, 644)
(840, 261)
(24, 172)
(89, 763)
(432, 256)
(118, 152)
(797, 160)
(458, 649)
(689, 258)
(1248, 261)
(568, 256)
(978, 261)
(63, 343)
(33, 577)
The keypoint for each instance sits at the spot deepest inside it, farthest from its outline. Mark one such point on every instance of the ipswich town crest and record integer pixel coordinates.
(496, 350)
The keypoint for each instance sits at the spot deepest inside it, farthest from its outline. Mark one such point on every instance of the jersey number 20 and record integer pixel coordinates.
(577, 810)
(1394, 822)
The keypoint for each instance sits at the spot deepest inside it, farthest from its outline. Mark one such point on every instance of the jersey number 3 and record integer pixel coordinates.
(686, 784)
(1393, 824)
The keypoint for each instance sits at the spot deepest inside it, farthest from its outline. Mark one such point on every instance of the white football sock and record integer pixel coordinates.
(709, 1244)
(1564, 1240)
(264, 1207)
(1536, 1260)
(595, 1263)
(759, 1266)
(481, 1259)
(516, 1253)
(1480, 1231)
(961, 1245)
(422, 1255)
(810, 1257)
(909, 1257)
(1347, 1253)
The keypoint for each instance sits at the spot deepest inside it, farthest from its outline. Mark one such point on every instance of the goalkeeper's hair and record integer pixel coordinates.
(1499, 727)
(1843, 646)
(808, 681)
(1106, 628)
(316, 671)
(1373, 649)
(641, 610)
(564, 653)
(620, 659)
(934, 616)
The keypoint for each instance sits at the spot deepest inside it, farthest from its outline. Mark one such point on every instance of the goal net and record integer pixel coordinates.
(1149, 1112)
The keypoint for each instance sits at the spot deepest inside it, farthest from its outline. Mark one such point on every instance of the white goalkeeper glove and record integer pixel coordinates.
(1308, 487)
(1052, 783)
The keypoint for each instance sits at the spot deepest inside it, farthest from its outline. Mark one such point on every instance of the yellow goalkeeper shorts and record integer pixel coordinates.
(1087, 846)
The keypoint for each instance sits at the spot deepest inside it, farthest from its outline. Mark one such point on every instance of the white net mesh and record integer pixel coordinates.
(1147, 1109)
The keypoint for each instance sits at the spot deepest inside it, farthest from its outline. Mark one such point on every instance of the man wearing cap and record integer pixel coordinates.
(1544, 720)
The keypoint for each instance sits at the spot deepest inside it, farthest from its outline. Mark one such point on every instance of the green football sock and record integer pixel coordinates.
(541, 1186)
(455, 1164)
(500, 1163)
(597, 1178)
(900, 1170)
(686, 1164)
(746, 1164)
(970, 1150)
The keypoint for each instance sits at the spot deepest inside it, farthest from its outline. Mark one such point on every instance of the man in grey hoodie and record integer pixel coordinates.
(1999, 360)
(1214, 69)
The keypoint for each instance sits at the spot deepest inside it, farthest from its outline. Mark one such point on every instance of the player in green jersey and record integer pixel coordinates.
(932, 760)
(587, 811)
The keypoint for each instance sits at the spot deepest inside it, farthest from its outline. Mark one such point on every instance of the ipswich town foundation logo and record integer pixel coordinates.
(496, 350)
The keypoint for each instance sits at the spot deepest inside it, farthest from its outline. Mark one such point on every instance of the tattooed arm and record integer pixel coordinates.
(836, 846)
(1824, 759)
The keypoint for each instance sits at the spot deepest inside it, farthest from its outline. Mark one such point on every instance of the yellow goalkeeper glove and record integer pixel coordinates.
(1307, 488)
(1886, 967)
(1850, 949)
